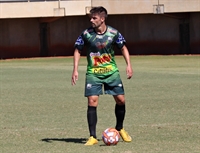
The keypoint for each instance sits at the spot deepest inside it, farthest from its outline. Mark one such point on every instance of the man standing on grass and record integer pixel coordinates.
(102, 69)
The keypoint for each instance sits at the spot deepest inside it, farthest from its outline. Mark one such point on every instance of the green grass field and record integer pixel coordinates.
(42, 113)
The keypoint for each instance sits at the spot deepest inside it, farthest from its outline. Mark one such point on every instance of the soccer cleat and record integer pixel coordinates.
(91, 141)
(125, 136)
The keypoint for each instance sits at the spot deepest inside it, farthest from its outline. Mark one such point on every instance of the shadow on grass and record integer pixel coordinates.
(73, 140)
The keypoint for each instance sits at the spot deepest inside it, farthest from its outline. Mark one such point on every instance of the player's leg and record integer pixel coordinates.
(93, 88)
(92, 119)
(114, 86)
(92, 114)
(120, 111)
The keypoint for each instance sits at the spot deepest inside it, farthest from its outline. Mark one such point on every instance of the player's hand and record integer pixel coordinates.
(74, 77)
(129, 72)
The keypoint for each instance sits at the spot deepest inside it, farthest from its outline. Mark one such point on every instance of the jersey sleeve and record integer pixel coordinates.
(79, 44)
(120, 41)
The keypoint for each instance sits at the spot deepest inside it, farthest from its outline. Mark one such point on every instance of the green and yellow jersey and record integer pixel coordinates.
(100, 50)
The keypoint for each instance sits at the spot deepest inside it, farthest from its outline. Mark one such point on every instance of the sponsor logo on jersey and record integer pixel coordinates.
(79, 41)
(98, 60)
(120, 39)
(102, 70)
(87, 31)
(112, 30)
(99, 36)
(94, 54)
(89, 86)
(120, 85)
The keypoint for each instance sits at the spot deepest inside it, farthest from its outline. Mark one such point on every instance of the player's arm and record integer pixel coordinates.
(120, 42)
(125, 53)
(75, 68)
(79, 44)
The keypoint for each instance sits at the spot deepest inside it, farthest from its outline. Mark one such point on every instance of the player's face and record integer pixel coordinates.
(96, 20)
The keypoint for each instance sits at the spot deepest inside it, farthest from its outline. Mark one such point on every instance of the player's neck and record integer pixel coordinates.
(101, 30)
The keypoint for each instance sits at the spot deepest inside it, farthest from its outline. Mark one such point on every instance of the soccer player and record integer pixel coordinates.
(102, 70)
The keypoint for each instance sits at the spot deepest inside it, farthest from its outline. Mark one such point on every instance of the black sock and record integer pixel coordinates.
(92, 120)
(120, 111)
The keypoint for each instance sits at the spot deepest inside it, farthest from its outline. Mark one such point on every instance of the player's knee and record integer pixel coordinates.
(120, 102)
(120, 99)
(92, 102)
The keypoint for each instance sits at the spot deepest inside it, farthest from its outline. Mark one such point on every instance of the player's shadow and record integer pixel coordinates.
(72, 140)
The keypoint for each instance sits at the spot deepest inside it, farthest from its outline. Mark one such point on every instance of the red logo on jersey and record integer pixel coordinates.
(99, 60)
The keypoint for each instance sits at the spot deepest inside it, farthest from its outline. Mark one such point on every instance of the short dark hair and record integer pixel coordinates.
(99, 10)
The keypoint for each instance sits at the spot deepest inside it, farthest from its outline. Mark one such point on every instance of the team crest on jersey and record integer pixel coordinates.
(100, 45)
(110, 39)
